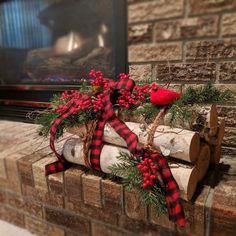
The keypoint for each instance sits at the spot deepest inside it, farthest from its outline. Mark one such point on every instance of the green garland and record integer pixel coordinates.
(180, 110)
(132, 179)
(207, 94)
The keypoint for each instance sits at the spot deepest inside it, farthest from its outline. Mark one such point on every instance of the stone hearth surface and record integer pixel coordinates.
(77, 202)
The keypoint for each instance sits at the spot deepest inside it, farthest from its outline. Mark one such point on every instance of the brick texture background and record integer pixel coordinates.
(187, 42)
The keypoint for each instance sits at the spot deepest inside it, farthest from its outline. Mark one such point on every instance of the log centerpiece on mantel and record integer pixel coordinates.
(189, 151)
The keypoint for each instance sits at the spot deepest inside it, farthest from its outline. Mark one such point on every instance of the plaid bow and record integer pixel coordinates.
(96, 145)
(175, 209)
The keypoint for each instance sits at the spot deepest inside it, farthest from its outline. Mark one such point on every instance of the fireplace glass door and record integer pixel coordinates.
(50, 45)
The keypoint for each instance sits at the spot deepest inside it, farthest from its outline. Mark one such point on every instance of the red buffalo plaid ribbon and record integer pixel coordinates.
(174, 206)
(172, 194)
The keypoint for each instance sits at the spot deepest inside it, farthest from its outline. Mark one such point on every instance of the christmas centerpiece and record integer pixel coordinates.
(157, 140)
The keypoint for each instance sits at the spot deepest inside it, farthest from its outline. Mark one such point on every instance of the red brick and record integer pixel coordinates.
(42, 228)
(134, 207)
(155, 52)
(152, 10)
(140, 72)
(229, 113)
(209, 6)
(73, 183)
(162, 220)
(12, 216)
(112, 196)
(72, 222)
(190, 72)
(43, 196)
(229, 138)
(103, 230)
(227, 72)
(25, 206)
(140, 33)
(92, 190)
(229, 24)
(142, 228)
(223, 211)
(195, 213)
(3, 171)
(38, 167)
(229, 151)
(25, 168)
(211, 49)
(56, 183)
(104, 215)
(189, 28)
(3, 197)
(12, 168)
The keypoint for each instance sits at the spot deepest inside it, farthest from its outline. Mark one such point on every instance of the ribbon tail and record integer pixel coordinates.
(173, 200)
(62, 163)
(56, 167)
(175, 209)
(122, 129)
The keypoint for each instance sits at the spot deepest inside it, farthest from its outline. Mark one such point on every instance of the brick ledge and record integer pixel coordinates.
(78, 202)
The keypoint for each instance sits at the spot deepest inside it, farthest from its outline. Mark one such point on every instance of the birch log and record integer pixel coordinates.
(204, 120)
(185, 175)
(175, 142)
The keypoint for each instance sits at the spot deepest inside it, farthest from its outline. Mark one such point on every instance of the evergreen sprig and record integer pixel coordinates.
(207, 94)
(132, 178)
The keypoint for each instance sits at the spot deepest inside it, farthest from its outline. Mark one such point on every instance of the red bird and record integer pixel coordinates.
(160, 96)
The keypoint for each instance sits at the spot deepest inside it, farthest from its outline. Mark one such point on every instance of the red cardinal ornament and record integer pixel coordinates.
(161, 96)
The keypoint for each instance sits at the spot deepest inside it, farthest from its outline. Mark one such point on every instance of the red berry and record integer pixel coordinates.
(152, 176)
(139, 166)
(145, 185)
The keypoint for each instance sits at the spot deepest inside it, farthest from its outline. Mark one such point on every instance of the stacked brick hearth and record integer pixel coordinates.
(187, 42)
(77, 202)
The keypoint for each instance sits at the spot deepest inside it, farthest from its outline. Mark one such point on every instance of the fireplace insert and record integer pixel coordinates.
(47, 46)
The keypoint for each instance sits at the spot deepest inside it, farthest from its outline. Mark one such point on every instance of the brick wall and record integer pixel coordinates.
(74, 202)
(77, 202)
(187, 42)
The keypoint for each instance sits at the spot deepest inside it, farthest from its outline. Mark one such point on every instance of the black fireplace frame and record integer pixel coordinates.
(17, 100)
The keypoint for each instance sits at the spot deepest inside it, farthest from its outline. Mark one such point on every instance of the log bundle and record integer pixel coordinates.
(190, 148)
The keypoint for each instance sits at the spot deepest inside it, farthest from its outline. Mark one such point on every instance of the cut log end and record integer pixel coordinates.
(192, 184)
(203, 161)
(187, 178)
(194, 148)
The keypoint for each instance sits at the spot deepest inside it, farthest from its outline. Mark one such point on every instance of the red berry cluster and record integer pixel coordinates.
(141, 92)
(126, 99)
(99, 81)
(67, 95)
(123, 76)
(82, 101)
(149, 169)
(97, 103)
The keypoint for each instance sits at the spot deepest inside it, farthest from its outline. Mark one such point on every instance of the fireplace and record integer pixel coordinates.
(47, 46)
